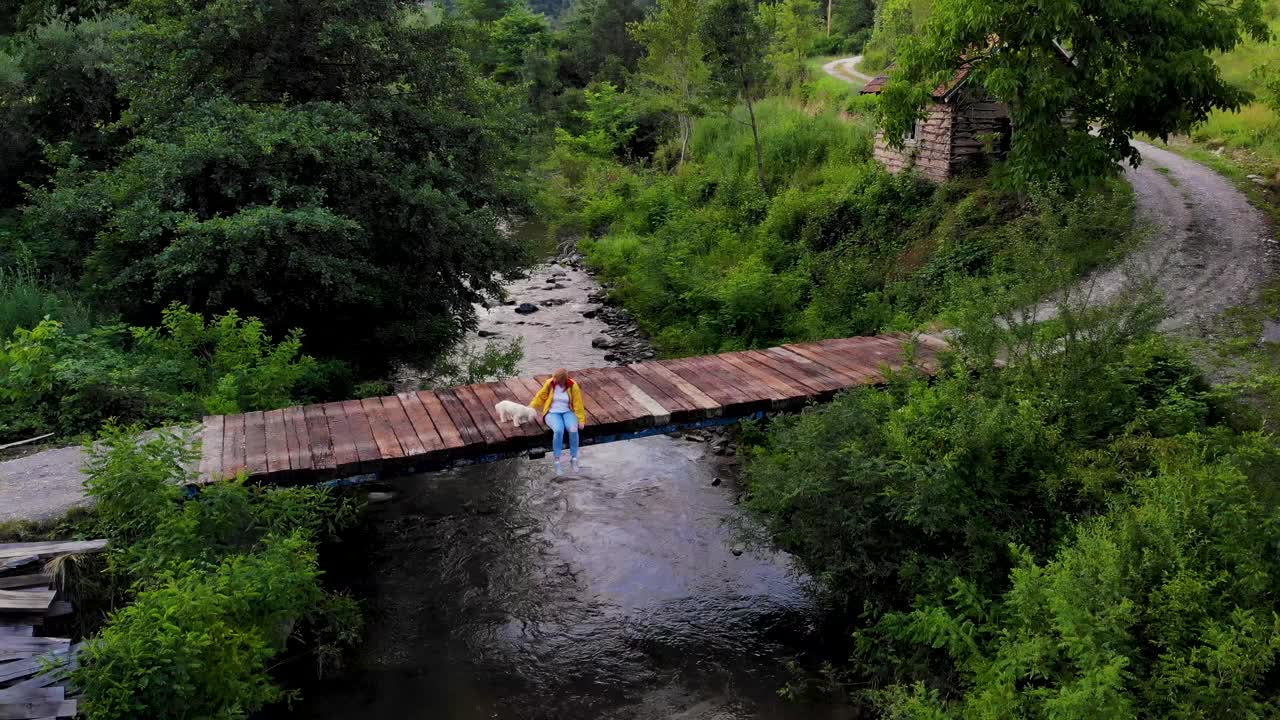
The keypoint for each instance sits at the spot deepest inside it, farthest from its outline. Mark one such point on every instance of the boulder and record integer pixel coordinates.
(526, 308)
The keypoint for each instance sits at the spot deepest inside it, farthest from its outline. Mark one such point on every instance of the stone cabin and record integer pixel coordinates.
(963, 128)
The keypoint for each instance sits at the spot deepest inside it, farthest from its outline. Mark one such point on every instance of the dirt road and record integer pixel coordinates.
(847, 69)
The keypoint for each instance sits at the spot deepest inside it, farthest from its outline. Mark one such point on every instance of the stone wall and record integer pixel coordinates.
(930, 153)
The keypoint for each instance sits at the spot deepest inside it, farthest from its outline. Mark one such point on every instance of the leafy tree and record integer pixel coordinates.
(318, 165)
(609, 120)
(486, 11)
(595, 43)
(513, 38)
(1135, 67)
(673, 73)
(736, 44)
(56, 87)
(792, 30)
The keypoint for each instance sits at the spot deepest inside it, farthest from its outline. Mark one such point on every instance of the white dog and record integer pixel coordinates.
(515, 412)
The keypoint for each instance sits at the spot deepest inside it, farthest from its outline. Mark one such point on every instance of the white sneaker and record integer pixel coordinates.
(559, 469)
(573, 463)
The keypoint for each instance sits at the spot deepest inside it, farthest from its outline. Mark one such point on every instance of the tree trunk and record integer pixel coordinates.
(686, 132)
(829, 17)
(755, 136)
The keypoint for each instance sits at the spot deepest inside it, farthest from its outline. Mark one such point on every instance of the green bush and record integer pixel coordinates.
(219, 585)
(51, 379)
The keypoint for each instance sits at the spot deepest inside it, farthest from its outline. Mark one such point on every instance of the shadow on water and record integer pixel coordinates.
(501, 591)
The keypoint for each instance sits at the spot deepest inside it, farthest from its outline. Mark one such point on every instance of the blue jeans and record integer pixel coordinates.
(559, 422)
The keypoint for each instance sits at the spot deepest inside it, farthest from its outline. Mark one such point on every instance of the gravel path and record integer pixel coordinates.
(847, 69)
(1209, 249)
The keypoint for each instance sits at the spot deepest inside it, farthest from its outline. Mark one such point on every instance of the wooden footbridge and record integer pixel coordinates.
(426, 430)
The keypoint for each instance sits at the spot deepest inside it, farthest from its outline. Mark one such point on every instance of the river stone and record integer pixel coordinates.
(604, 343)
(526, 308)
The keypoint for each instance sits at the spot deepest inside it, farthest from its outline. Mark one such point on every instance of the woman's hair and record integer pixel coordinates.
(561, 377)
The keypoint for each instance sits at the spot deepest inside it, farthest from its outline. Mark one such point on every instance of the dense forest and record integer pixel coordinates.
(217, 206)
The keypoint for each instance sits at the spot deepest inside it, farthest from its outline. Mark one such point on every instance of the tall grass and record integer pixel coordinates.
(25, 300)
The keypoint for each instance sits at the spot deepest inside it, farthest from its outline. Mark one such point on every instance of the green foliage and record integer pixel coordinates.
(736, 43)
(1134, 67)
(1162, 607)
(492, 362)
(895, 21)
(707, 263)
(672, 76)
(608, 119)
(52, 379)
(792, 27)
(516, 36)
(219, 584)
(349, 185)
(25, 300)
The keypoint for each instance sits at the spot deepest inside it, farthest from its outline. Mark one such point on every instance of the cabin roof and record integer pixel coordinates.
(946, 90)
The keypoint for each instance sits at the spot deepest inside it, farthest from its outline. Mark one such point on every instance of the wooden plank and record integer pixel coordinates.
(211, 447)
(421, 421)
(703, 401)
(255, 443)
(346, 459)
(635, 414)
(31, 665)
(456, 412)
(686, 404)
(37, 710)
(322, 459)
(26, 600)
(725, 395)
(299, 443)
(487, 425)
(780, 394)
(799, 392)
(812, 373)
(32, 694)
(277, 445)
(657, 414)
(816, 387)
(599, 405)
(864, 366)
(383, 434)
(362, 435)
(676, 409)
(833, 367)
(18, 630)
(232, 446)
(16, 648)
(25, 581)
(445, 427)
(52, 548)
(745, 389)
(406, 435)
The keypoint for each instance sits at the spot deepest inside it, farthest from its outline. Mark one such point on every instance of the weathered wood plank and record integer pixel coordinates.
(322, 461)
(299, 441)
(678, 408)
(421, 421)
(15, 648)
(277, 444)
(52, 548)
(32, 694)
(792, 373)
(211, 447)
(449, 433)
(18, 630)
(346, 458)
(701, 400)
(383, 434)
(406, 435)
(627, 381)
(487, 425)
(461, 419)
(362, 435)
(37, 710)
(232, 446)
(778, 392)
(489, 397)
(26, 600)
(635, 414)
(255, 443)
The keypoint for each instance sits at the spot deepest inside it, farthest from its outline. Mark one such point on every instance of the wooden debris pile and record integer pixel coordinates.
(29, 688)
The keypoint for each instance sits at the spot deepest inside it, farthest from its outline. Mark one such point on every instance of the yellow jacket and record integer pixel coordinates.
(542, 401)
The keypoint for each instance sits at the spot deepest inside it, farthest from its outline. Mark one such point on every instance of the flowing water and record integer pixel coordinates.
(501, 591)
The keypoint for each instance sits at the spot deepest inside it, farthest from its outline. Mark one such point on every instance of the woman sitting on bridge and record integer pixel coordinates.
(560, 402)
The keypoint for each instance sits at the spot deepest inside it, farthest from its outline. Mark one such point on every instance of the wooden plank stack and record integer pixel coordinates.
(27, 598)
(428, 429)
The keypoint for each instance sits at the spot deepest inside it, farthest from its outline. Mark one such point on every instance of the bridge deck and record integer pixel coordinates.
(431, 429)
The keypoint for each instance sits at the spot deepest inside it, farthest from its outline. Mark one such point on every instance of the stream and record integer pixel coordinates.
(501, 591)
